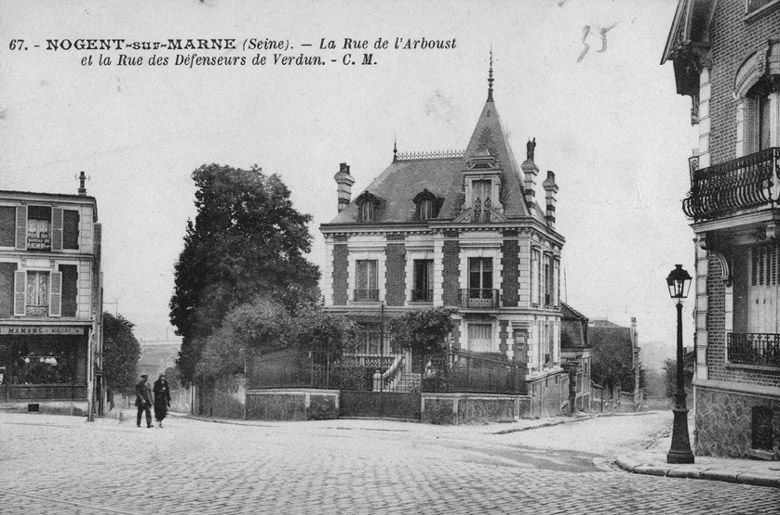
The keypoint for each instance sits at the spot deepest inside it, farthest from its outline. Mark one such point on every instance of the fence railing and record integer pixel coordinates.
(754, 348)
(453, 371)
(477, 298)
(748, 182)
(461, 371)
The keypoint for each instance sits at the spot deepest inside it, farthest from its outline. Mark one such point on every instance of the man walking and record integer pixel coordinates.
(143, 400)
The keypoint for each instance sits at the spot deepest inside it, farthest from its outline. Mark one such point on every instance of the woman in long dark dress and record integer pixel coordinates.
(162, 399)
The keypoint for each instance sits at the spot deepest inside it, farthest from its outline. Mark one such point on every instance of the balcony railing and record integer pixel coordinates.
(749, 182)
(363, 295)
(754, 348)
(424, 295)
(479, 298)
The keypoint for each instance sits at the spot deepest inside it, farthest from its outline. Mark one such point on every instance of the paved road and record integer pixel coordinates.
(63, 465)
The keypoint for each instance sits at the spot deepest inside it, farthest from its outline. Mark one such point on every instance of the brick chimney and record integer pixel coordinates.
(550, 190)
(344, 189)
(530, 171)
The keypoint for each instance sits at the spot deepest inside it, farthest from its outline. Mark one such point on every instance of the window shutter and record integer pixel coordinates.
(20, 292)
(750, 126)
(21, 227)
(55, 294)
(56, 229)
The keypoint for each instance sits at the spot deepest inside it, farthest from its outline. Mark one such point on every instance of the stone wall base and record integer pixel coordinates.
(77, 408)
(471, 408)
(282, 404)
(723, 422)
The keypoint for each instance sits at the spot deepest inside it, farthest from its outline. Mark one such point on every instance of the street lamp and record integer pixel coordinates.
(679, 282)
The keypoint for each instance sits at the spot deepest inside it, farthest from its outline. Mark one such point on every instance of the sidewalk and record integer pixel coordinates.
(653, 461)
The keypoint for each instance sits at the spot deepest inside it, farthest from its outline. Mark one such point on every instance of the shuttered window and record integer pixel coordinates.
(70, 229)
(480, 337)
(69, 289)
(55, 294)
(21, 227)
(7, 226)
(20, 292)
(7, 289)
(56, 229)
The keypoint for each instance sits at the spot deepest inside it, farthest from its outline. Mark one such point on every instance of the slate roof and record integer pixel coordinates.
(403, 179)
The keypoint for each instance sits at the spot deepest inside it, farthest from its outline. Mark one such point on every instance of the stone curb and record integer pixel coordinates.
(712, 475)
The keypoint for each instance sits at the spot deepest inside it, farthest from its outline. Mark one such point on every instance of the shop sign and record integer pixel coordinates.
(40, 329)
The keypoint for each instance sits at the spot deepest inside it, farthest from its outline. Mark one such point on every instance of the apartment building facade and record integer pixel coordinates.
(50, 302)
(726, 57)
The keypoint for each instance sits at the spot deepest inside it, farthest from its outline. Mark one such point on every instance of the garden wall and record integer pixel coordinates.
(292, 404)
(469, 408)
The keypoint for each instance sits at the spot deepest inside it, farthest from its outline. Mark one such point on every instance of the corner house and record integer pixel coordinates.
(50, 298)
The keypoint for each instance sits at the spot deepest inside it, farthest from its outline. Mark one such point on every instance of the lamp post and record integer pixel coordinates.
(679, 282)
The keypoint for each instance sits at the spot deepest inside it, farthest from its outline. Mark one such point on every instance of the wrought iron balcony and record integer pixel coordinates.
(754, 348)
(479, 298)
(749, 182)
(366, 295)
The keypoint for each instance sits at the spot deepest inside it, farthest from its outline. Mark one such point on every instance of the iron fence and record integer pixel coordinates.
(754, 348)
(467, 372)
(479, 298)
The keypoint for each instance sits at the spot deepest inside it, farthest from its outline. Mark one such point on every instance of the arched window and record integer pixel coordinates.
(427, 205)
(757, 89)
(368, 207)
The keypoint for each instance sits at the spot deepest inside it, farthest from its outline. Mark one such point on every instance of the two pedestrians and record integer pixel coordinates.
(145, 397)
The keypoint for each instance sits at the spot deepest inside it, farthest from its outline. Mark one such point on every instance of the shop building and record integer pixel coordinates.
(50, 302)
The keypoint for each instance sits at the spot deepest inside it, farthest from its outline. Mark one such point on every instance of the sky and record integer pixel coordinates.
(605, 115)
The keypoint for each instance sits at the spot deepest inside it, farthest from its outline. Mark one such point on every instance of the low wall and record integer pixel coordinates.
(471, 408)
(78, 408)
(549, 395)
(292, 404)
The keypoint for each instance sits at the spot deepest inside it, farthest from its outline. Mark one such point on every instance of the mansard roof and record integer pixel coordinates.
(405, 177)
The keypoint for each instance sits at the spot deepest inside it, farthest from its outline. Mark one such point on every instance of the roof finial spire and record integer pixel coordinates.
(490, 76)
(395, 148)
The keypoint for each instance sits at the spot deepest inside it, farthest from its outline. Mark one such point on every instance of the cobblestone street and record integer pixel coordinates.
(51, 464)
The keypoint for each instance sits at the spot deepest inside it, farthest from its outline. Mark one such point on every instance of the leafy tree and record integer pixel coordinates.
(670, 374)
(121, 352)
(424, 332)
(611, 358)
(316, 330)
(252, 328)
(247, 241)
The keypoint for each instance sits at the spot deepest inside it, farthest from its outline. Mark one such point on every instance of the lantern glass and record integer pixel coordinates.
(679, 282)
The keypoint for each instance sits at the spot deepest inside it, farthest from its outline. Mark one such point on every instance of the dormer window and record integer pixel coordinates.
(483, 190)
(427, 204)
(368, 206)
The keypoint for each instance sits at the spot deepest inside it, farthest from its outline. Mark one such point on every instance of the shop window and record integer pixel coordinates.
(70, 229)
(366, 280)
(7, 226)
(45, 360)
